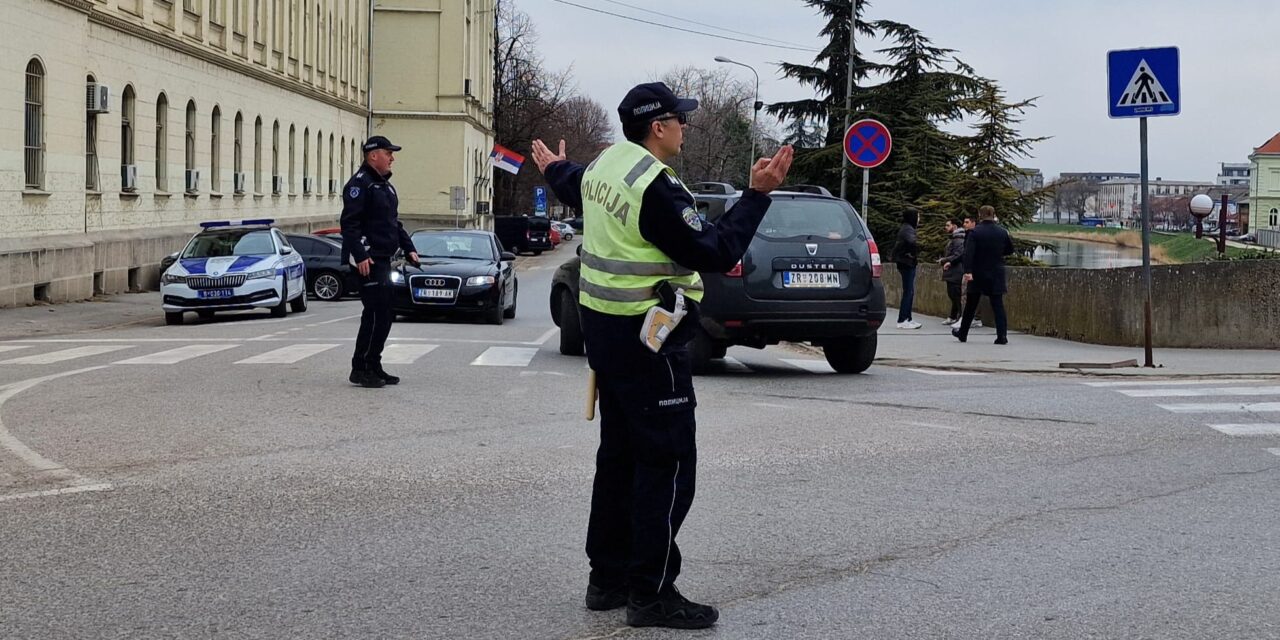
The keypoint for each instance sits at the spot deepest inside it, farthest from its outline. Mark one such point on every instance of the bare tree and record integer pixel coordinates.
(1071, 196)
(717, 144)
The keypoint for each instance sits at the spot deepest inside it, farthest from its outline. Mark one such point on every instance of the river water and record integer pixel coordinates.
(1089, 255)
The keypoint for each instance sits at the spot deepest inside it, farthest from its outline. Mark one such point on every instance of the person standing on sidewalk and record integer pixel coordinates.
(953, 268)
(969, 223)
(906, 254)
(984, 254)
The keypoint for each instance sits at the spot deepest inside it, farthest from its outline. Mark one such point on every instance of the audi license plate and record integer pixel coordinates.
(811, 279)
(215, 294)
(433, 293)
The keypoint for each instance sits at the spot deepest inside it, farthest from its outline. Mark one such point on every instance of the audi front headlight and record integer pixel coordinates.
(480, 281)
(258, 275)
(397, 277)
(170, 278)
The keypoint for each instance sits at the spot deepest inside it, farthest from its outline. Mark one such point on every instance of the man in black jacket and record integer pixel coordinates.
(370, 210)
(984, 253)
(906, 254)
(953, 267)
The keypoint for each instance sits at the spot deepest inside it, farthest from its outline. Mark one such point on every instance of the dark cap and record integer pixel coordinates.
(650, 101)
(379, 142)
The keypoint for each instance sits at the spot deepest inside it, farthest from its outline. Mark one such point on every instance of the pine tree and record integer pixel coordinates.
(801, 135)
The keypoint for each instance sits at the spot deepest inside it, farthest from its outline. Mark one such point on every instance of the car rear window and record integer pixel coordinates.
(803, 217)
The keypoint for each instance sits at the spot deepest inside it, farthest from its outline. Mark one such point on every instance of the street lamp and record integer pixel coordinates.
(754, 112)
(1201, 206)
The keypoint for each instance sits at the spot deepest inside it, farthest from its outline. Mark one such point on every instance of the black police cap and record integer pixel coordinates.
(379, 142)
(650, 101)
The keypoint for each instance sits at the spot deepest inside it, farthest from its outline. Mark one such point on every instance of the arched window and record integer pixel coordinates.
(319, 159)
(91, 145)
(215, 151)
(257, 155)
(1275, 217)
(237, 154)
(306, 161)
(190, 145)
(342, 158)
(127, 101)
(276, 182)
(33, 126)
(293, 186)
(333, 187)
(162, 143)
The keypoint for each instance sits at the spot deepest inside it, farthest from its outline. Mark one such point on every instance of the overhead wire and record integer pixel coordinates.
(675, 28)
(701, 24)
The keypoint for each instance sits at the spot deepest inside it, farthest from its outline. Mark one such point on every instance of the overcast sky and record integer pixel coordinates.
(1056, 50)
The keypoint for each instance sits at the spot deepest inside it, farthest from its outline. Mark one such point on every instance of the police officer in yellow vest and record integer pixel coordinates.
(643, 241)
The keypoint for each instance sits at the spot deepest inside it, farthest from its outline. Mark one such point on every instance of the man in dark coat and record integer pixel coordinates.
(953, 267)
(984, 254)
(906, 255)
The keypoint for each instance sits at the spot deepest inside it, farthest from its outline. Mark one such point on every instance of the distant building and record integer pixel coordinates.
(1092, 177)
(1030, 180)
(1120, 199)
(1234, 174)
(1264, 192)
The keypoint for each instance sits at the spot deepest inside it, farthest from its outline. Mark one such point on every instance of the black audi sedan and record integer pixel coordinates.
(460, 273)
(327, 277)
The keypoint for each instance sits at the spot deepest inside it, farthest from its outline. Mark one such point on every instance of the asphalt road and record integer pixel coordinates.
(223, 480)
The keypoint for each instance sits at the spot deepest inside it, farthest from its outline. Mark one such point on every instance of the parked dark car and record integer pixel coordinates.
(811, 274)
(461, 272)
(328, 277)
(524, 234)
(576, 223)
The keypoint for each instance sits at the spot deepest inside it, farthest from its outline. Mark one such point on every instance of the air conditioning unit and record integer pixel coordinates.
(193, 180)
(277, 185)
(333, 186)
(96, 98)
(128, 177)
(308, 185)
(238, 181)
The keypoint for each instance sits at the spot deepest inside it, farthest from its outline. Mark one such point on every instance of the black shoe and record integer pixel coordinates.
(601, 599)
(670, 609)
(386, 377)
(1002, 341)
(959, 336)
(367, 379)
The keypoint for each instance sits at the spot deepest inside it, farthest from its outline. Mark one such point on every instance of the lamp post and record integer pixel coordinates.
(1201, 206)
(755, 111)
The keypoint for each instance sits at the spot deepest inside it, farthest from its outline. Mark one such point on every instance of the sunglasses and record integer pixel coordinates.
(682, 118)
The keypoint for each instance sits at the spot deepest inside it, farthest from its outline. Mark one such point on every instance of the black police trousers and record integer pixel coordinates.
(375, 321)
(645, 471)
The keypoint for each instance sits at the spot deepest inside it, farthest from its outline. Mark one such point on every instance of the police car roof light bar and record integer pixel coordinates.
(262, 222)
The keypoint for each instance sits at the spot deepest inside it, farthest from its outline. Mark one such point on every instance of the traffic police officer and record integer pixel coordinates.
(370, 211)
(643, 233)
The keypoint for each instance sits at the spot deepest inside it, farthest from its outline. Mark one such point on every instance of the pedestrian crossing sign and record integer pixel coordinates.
(1143, 83)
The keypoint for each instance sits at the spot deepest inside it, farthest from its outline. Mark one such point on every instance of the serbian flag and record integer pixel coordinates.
(506, 159)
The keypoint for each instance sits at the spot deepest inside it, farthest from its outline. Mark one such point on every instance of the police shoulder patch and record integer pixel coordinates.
(354, 192)
(692, 219)
(673, 180)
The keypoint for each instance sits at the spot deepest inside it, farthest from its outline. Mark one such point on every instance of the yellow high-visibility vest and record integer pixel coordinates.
(619, 267)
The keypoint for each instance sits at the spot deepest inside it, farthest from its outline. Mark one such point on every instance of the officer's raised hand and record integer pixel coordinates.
(543, 157)
(769, 173)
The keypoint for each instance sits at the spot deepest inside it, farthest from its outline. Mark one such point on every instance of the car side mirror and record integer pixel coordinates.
(507, 256)
(284, 251)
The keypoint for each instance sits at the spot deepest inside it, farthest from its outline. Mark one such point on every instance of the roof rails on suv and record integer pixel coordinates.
(806, 188)
(713, 188)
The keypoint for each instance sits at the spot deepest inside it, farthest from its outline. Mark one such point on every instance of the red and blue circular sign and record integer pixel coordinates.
(867, 143)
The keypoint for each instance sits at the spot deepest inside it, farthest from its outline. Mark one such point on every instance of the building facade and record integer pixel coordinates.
(1264, 192)
(1120, 200)
(1234, 174)
(130, 121)
(1094, 177)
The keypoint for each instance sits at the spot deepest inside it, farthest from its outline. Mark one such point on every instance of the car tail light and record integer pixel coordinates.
(875, 258)
(736, 271)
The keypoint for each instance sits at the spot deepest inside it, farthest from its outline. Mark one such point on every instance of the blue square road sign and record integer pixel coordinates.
(1143, 83)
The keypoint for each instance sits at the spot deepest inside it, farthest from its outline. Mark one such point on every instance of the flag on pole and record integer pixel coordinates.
(506, 159)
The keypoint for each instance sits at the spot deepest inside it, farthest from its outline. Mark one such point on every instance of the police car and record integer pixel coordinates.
(232, 266)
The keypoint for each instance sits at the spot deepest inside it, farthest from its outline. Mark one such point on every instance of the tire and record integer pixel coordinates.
(495, 315)
(510, 314)
(537, 252)
(205, 315)
(281, 310)
(572, 342)
(172, 317)
(299, 304)
(328, 286)
(851, 355)
(701, 352)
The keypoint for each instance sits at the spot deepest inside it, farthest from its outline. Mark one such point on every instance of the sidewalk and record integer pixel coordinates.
(932, 346)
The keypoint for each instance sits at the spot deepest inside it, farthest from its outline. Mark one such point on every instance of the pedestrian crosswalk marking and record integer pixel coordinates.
(1275, 452)
(288, 355)
(812, 366)
(1204, 391)
(174, 356)
(1164, 383)
(505, 357)
(1144, 89)
(67, 354)
(943, 372)
(4, 348)
(405, 353)
(1223, 407)
(1252, 429)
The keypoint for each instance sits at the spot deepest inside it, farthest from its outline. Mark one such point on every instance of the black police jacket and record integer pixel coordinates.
(371, 209)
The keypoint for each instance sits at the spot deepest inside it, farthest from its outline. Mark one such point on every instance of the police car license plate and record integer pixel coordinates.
(433, 293)
(811, 279)
(215, 294)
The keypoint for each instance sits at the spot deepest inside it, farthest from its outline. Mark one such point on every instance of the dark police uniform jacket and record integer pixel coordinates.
(370, 210)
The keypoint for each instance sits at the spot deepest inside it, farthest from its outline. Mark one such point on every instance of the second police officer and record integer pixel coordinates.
(645, 237)
(370, 213)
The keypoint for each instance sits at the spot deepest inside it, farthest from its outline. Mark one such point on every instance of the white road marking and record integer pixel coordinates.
(101, 486)
(505, 357)
(1164, 383)
(812, 366)
(1204, 391)
(943, 372)
(1256, 429)
(930, 425)
(5, 348)
(734, 365)
(1274, 451)
(342, 319)
(770, 405)
(119, 340)
(406, 353)
(174, 356)
(546, 336)
(1223, 407)
(66, 354)
(289, 354)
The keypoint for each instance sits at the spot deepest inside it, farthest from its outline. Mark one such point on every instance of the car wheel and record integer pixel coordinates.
(537, 252)
(205, 315)
(173, 317)
(701, 351)
(281, 310)
(515, 297)
(572, 342)
(851, 355)
(299, 304)
(328, 286)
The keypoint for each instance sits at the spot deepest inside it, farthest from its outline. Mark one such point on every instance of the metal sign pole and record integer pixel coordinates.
(866, 182)
(1146, 247)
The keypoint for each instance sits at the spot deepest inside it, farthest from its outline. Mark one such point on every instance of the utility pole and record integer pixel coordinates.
(848, 97)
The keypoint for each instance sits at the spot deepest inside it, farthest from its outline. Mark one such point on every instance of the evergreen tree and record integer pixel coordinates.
(801, 135)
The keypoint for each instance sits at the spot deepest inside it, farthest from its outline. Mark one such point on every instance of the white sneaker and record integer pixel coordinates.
(909, 324)
(976, 323)
(956, 324)
(950, 321)
(915, 325)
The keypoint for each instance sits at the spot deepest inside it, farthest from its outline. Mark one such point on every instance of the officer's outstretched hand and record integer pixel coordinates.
(769, 173)
(543, 157)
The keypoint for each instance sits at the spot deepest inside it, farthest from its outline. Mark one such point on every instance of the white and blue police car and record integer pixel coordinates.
(232, 266)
